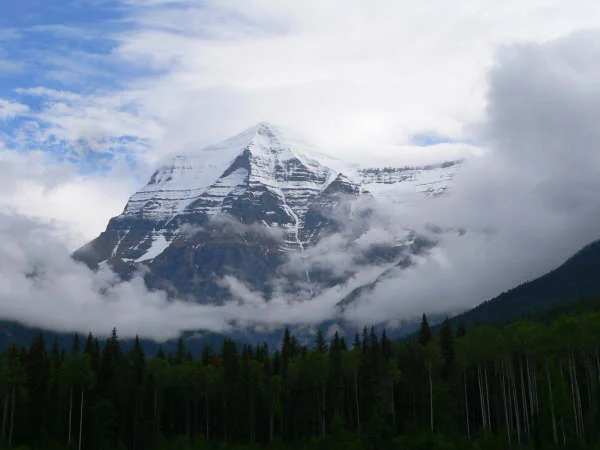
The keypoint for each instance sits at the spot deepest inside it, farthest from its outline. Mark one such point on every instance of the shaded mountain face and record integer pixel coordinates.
(261, 208)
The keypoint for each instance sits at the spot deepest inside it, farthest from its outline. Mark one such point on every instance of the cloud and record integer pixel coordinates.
(381, 82)
(10, 109)
(56, 192)
(530, 202)
(40, 285)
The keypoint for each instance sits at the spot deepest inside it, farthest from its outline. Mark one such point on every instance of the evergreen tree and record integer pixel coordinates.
(446, 342)
(424, 332)
(321, 345)
(76, 344)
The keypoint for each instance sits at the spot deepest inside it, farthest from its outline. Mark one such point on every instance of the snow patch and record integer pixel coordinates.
(159, 245)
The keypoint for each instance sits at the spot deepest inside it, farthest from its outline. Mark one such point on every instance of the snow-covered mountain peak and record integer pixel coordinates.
(267, 140)
(185, 223)
(261, 155)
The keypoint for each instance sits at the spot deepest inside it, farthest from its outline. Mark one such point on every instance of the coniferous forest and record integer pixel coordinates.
(527, 384)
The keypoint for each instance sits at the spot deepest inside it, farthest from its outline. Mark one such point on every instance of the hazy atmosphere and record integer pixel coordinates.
(95, 95)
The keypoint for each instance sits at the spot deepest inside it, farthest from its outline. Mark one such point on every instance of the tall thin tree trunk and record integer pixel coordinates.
(81, 419)
(511, 407)
(225, 420)
(481, 399)
(516, 404)
(195, 415)
(554, 432)
(487, 396)
(5, 415)
(323, 410)
(207, 417)
(12, 415)
(536, 400)
(505, 407)
(136, 408)
(251, 418)
(466, 404)
(524, 399)
(392, 405)
(430, 396)
(272, 421)
(70, 414)
(188, 431)
(562, 420)
(155, 419)
(530, 385)
(574, 395)
(590, 382)
(356, 401)
(578, 398)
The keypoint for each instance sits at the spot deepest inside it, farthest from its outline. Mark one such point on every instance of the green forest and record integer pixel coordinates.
(527, 384)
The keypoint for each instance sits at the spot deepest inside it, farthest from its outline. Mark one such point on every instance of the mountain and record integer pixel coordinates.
(266, 209)
(577, 278)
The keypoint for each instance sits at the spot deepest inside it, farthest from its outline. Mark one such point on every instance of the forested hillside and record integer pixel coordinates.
(524, 385)
(577, 278)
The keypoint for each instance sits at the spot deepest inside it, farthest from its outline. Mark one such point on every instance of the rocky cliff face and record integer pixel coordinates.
(253, 207)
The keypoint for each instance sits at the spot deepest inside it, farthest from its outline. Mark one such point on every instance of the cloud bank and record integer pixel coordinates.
(530, 202)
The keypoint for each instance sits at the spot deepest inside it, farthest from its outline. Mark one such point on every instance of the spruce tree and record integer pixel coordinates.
(321, 344)
(356, 340)
(76, 344)
(424, 332)
(446, 342)
(180, 354)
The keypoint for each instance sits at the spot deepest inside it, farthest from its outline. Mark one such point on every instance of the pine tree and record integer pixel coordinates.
(76, 345)
(321, 345)
(386, 346)
(37, 371)
(446, 342)
(424, 332)
(180, 354)
(356, 340)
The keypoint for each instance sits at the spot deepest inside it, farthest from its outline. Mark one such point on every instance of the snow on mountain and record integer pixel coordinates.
(263, 157)
(402, 184)
(262, 177)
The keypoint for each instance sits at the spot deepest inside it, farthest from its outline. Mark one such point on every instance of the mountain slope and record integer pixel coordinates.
(577, 278)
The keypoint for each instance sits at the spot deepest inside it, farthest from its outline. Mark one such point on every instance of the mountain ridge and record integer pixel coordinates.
(574, 279)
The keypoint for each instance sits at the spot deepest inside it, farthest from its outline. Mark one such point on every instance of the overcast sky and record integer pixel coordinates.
(94, 93)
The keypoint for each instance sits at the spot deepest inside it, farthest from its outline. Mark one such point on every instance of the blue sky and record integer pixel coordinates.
(38, 35)
(59, 45)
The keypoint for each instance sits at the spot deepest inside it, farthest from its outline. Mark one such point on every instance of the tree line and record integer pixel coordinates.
(522, 385)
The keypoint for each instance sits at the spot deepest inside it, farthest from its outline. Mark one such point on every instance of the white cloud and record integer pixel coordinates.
(347, 73)
(533, 196)
(11, 109)
(79, 205)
